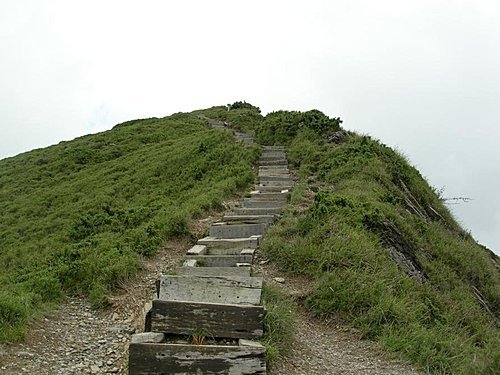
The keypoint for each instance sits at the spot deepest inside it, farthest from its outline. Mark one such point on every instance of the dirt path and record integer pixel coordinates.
(76, 339)
(327, 347)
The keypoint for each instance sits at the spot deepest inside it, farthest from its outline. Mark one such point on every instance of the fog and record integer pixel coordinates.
(421, 76)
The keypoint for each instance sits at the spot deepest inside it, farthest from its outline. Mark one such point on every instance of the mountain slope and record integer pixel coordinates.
(76, 217)
(376, 243)
(386, 255)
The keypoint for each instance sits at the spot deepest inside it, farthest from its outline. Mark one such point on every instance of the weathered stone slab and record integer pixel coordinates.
(214, 271)
(288, 179)
(282, 184)
(273, 168)
(189, 263)
(273, 188)
(251, 242)
(249, 219)
(179, 359)
(258, 211)
(273, 148)
(265, 158)
(224, 230)
(262, 203)
(151, 337)
(274, 173)
(197, 250)
(227, 251)
(270, 196)
(215, 320)
(216, 289)
(274, 162)
(221, 260)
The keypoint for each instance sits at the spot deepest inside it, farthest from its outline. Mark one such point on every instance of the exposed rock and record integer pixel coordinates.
(338, 137)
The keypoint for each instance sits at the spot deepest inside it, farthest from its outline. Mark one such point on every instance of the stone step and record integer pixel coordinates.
(235, 290)
(225, 230)
(215, 320)
(221, 260)
(177, 359)
(284, 184)
(272, 167)
(213, 271)
(222, 251)
(197, 250)
(274, 162)
(262, 203)
(288, 179)
(257, 211)
(270, 196)
(249, 219)
(277, 174)
(274, 173)
(251, 242)
(272, 157)
(273, 148)
(271, 188)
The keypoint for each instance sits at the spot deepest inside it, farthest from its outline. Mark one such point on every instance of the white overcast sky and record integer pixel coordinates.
(422, 76)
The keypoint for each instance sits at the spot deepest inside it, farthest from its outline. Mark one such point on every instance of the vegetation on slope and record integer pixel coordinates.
(382, 250)
(75, 217)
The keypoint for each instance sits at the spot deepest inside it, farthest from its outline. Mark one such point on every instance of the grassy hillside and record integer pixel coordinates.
(75, 217)
(382, 250)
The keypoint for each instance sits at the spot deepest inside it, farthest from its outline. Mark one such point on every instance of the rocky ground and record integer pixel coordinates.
(76, 339)
(327, 346)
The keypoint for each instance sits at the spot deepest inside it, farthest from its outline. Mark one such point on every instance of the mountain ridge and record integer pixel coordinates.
(363, 225)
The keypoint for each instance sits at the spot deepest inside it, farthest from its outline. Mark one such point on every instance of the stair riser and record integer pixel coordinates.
(176, 359)
(237, 230)
(227, 321)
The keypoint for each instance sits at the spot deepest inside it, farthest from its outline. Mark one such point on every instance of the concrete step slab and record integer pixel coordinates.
(272, 188)
(221, 260)
(272, 167)
(225, 230)
(288, 179)
(257, 211)
(177, 359)
(211, 289)
(272, 157)
(274, 162)
(262, 203)
(284, 184)
(274, 173)
(217, 320)
(213, 271)
(270, 196)
(249, 219)
(197, 250)
(251, 242)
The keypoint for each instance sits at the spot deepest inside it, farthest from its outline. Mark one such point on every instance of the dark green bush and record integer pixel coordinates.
(281, 127)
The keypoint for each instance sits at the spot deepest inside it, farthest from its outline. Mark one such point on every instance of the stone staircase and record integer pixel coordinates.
(207, 318)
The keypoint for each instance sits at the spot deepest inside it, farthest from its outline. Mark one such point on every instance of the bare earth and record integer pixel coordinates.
(75, 339)
(327, 347)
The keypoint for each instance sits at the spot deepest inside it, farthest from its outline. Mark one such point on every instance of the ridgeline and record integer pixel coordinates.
(381, 250)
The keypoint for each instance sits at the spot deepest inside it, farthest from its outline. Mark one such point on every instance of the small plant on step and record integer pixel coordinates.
(198, 337)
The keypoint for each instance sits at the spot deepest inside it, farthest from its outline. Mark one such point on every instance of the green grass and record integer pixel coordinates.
(368, 199)
(76, 217)
(278, 323)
